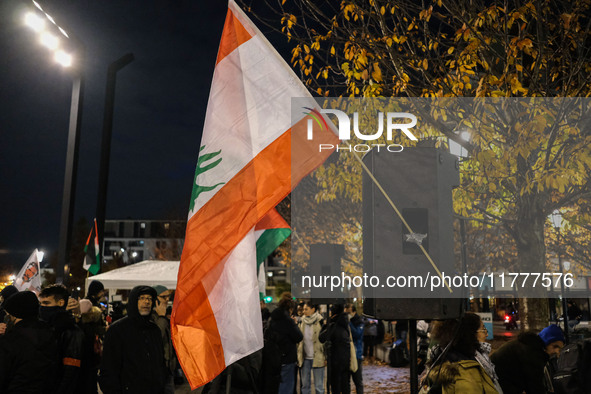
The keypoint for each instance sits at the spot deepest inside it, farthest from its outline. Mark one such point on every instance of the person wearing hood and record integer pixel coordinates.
(70, 338)
(133, 353)
(520, 363)
(28, 350)
(310, 350)
(337, 337)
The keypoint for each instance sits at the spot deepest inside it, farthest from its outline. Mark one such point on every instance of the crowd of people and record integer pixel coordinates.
(318, 351)
(55, 343)
(461, 361)
(454, 354)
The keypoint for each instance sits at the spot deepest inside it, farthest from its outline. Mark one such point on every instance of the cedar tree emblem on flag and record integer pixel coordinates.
(245, 169)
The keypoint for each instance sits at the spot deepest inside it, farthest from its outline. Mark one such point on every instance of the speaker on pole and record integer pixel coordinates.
(419, 182)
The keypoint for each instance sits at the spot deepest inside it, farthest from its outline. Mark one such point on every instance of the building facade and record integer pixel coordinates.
(133, 241)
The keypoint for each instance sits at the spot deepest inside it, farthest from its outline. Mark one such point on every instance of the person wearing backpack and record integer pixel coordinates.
(571, 373)
(520, 363)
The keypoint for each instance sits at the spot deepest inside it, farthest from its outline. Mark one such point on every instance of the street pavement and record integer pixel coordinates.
(380, 378)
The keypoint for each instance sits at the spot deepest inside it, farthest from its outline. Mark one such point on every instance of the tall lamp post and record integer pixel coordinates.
(556, 219)
(101, 201)
(52, 36)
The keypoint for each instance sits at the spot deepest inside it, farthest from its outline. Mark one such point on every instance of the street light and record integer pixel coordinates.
(557, 222)
(50, 36)
(101, 200)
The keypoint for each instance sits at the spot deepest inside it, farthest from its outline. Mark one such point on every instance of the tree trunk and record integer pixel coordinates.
(531, 251)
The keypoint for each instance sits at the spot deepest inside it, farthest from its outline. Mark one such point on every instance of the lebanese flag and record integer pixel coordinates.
(270, 232)
(245, 168)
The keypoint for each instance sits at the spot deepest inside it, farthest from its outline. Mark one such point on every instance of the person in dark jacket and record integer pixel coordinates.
(4, 295)
(370, 334)
(402, 333)
(356, 325)
(163, 323)
(96, 292)
(70, 338)
(287, 335)
(28, 350)
(133, 355)
(520, 363)
(94, 327)
(337, 337)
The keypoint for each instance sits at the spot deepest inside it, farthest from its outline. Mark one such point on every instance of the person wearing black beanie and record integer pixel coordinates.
(23, 305)
(28, 345)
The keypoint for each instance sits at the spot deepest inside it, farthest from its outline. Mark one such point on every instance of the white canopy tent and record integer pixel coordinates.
(147, 273)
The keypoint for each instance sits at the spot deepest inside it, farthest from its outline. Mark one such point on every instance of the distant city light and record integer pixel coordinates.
(134, 254)
(34, 22)
(12, 278)
(63, 58)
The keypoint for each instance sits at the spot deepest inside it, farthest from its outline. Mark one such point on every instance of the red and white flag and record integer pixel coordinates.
(245, 168)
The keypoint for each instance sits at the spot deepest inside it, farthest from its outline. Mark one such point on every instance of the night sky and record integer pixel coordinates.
(160, 106)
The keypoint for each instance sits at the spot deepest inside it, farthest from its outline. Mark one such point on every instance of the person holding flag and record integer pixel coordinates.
(245, 168)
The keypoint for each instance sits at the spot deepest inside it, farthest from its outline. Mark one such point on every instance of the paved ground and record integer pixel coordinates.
(378, 378)
(381, 378)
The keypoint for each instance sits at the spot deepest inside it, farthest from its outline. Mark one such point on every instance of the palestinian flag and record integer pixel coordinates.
(270, 232)
(92, 262)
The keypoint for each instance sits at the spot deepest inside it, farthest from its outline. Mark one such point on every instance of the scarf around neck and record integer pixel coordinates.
(313, 319)
(481, 356)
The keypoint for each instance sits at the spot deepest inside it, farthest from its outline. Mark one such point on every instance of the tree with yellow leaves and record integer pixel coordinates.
(527, 158)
